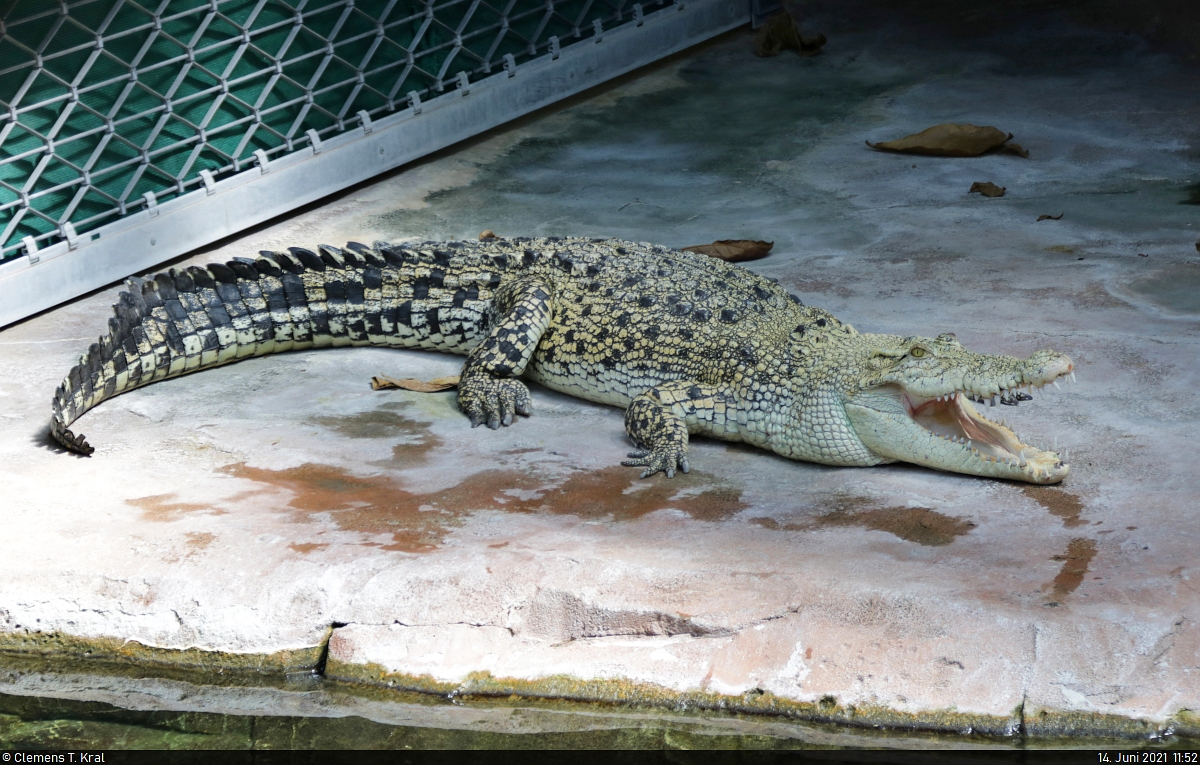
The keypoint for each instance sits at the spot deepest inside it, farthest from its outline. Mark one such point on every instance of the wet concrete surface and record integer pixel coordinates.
(63, 705)
(245, 510)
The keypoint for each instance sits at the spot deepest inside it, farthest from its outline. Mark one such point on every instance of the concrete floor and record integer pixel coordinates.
(247, 509)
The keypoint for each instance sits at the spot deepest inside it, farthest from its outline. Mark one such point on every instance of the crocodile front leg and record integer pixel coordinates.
(487, 390)
(660, 419)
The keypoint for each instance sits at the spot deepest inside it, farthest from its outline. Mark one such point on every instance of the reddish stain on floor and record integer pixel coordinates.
(369, 504)
(200, 539)
(417, 522)
(306, 547)
(161, 508)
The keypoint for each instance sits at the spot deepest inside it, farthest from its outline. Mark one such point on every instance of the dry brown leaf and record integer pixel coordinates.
(780, 32)
(1015, 148)
(489, 234)
(950, 140)
(987, 188)
(420, 386)
(1050, 217)
(733, 250)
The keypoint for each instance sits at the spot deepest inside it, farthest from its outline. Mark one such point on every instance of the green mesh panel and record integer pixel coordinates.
(102, 101)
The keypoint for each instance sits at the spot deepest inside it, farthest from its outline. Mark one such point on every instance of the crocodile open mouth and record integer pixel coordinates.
(953, 418)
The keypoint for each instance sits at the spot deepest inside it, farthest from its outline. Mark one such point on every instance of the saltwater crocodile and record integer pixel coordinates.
(685, 343)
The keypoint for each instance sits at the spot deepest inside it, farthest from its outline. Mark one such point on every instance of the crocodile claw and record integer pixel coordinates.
(664, 460)
(494, 402)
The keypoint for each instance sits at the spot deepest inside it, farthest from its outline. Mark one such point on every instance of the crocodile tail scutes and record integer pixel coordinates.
(194, 318)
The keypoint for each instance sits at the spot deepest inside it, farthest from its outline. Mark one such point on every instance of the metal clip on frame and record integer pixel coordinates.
(31, 248)
(72, 236)
(314, 140)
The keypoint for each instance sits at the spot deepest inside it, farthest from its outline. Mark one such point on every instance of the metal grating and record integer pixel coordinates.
(112, 106)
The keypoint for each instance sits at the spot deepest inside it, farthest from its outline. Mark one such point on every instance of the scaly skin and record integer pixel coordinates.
(685, 343)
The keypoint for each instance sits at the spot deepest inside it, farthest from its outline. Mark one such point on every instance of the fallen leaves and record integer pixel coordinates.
(435, 385)
(781, 33)
(987, 188)
(952, 140)
(1050, 217)
(733, 250)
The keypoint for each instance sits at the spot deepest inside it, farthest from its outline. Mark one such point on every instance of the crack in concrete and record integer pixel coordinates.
(399, 623)
(563, 617)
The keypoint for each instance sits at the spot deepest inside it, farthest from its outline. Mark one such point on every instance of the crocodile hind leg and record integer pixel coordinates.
(660, 419)
(487, 390)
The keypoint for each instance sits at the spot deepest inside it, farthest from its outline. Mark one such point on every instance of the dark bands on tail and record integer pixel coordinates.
(185, 320)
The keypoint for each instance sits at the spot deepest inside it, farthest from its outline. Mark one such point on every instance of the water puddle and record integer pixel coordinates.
(1061, 504)
(618, 493)
(1175, 288)
(1076, 561)
(416, 438)
(912, 524)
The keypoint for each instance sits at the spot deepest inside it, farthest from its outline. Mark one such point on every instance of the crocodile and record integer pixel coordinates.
(685, 343)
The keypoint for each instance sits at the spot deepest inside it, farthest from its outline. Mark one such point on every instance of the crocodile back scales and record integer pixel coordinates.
(627, 315)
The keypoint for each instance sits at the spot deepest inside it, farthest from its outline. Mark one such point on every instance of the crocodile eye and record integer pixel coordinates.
(917, 352)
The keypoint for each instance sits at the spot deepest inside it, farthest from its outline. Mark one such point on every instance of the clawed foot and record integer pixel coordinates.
(662, 460)
(492, 401)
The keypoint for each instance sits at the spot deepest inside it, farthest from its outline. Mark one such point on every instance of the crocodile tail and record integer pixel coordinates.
(195, 318)
(104, 369)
